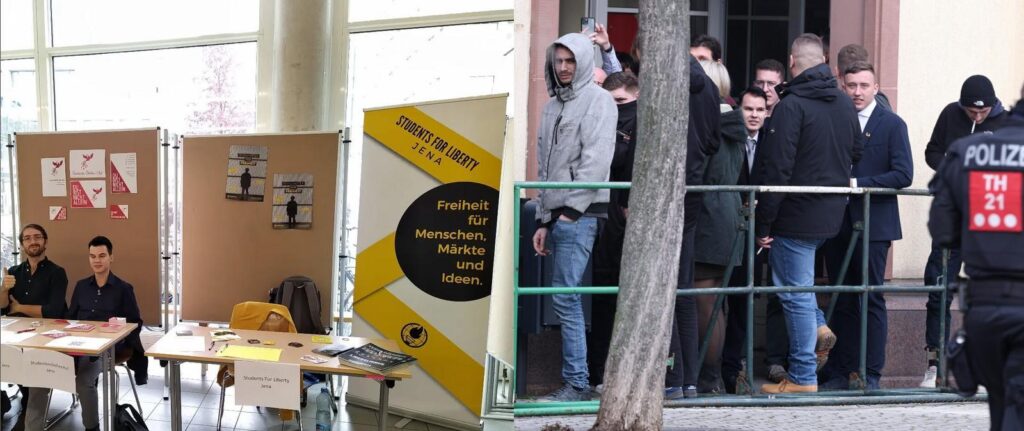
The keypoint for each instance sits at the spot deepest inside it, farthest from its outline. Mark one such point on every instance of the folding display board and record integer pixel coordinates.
(232, 251)
(427, 218)
(130, 218)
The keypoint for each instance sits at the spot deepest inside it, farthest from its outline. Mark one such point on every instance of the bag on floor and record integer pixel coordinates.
(126, 418)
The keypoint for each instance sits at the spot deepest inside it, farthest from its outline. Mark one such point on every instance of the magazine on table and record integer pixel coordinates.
(372, 358)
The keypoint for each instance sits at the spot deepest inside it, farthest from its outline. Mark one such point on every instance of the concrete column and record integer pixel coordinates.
(301, 38)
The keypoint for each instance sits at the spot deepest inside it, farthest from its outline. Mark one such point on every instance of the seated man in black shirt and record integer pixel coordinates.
(35, 288)
(98, 298)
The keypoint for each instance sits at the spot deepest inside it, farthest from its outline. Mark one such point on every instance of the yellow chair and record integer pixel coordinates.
(255, 316)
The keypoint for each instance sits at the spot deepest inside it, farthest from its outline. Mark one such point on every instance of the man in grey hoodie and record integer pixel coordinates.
(575, 143)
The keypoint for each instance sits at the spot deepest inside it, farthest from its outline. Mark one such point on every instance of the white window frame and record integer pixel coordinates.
(43, 54)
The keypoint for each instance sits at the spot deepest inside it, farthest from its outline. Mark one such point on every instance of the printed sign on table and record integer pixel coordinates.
(293, 201)
(119, 212)
(88, 194)
(124, 175)
(55, 177)
(267, 384)
(49, 369)
(11, 366)
(58, 213)
(87, 163)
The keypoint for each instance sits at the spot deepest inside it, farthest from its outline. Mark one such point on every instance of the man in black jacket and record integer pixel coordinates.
(978, 110)
(813, 140)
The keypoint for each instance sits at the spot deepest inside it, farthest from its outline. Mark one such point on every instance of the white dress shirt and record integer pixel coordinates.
(865, 114)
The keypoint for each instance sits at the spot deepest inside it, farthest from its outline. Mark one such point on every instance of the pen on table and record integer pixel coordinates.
(26, 330)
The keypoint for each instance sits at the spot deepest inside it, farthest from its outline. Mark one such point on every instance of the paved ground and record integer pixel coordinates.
(952, 416)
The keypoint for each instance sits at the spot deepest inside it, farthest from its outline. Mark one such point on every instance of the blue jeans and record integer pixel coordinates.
(792, 262)
(571, 243)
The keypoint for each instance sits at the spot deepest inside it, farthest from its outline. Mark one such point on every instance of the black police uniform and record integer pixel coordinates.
(978, 207)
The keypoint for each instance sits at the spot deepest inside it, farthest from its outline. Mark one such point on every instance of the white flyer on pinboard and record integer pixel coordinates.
(124, 175)
(55, 177)
(88, 163)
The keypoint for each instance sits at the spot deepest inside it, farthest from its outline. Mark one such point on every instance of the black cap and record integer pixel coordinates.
(977, 92)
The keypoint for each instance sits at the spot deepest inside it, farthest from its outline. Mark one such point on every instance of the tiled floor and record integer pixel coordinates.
(200, 398)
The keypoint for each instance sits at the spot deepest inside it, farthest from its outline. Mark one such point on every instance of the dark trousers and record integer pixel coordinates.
(607, 259)
(932, 271)
(776, 348)
(684, 343)
(995, 349)
(845, 356)
(734, 348)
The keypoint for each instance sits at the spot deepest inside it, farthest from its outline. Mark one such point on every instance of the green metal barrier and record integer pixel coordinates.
(942, 393)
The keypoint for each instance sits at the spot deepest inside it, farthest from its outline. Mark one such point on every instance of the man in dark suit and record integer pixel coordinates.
(886, 162)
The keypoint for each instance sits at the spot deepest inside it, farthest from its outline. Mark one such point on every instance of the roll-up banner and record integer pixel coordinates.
(427, 213)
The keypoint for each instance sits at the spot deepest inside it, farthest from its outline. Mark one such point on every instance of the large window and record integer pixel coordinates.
(364, 10)
(201, 90)
(15, 25)
(17, 114)
(78, 22)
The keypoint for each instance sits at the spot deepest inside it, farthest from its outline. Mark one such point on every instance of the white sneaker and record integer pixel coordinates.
(982, 390)
(929, 377)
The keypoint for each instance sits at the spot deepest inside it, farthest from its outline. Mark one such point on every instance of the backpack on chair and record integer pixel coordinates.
(302, 298)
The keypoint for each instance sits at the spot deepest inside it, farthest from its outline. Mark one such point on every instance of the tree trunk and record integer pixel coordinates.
(634, 378)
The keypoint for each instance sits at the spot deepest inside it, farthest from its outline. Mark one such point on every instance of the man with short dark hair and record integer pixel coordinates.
(100, 297)
(35, 288)
(705, 47)
(886, 163)
(753, 110)
(768, 74)
(575, 142)
(813, 141)
(854, 53)
(978, 110)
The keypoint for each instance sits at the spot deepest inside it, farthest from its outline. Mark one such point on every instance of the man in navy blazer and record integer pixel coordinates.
(886, 162)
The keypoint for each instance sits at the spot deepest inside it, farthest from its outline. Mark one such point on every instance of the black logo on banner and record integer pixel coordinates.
(445, 241)
(414, 335)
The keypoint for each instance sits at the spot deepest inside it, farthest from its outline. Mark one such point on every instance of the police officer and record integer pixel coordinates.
(978, 207)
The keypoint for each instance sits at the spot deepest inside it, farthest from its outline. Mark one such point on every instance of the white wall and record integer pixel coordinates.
(942, 42)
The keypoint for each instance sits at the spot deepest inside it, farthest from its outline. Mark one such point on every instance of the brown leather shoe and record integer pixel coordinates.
(826, 340)
(787, 387)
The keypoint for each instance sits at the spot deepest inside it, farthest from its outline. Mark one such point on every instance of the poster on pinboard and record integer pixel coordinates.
(293, 201)
(247, 173)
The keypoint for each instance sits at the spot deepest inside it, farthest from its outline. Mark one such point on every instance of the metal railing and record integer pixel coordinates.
(861, 232)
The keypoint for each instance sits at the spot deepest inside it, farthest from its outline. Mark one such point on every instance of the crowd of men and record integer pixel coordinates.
(36, 288)
(823, 126)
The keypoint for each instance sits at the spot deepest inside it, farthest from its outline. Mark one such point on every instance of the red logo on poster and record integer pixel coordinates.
(995, 201)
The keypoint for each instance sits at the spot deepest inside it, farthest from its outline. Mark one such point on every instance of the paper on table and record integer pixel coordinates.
(247, 352)
(322, 339)
(89, 343)
(5, 322)
(185, 344)
(14, 337)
